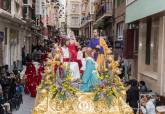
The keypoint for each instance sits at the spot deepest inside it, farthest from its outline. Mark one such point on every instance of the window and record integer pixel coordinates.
(75, 8)
(1, 36)
(33, 14)
(155, 44)
(5, 35)
(25, 12)
(148, 42)
(152, 44)
(18, 9)
(75, 21)
(25, 1)
(6, 5)
(136, 40)
(120, 28)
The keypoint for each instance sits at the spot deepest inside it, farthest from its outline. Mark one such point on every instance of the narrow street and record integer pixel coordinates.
(59, 51)
(26, 107)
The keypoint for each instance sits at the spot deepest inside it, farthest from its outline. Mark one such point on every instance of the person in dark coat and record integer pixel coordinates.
(12, 90)
(133, 95)
(143, 87)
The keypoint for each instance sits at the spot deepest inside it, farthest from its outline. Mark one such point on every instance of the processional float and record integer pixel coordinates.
(61, 95)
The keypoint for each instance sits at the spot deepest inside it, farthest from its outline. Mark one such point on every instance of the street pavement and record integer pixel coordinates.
(26, 107)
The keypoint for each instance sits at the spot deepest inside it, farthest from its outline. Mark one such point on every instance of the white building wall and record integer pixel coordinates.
(12, 52)
(153, 74)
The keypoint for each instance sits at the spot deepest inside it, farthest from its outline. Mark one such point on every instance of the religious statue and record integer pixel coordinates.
(69, 52)
(90, 79)
(98, 44)
(72, 45)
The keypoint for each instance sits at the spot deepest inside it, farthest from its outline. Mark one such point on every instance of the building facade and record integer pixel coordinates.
(104, 13)
(12, 30)
(62, 25)
(73, 16)
(149, 20)
(47, 15)
(53, 18)
(22, 26)
(87, 18)
(119, 25)
(125, 40)
(29, 16)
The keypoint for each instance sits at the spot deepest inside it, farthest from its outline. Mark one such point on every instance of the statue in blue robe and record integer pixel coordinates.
(90, 79)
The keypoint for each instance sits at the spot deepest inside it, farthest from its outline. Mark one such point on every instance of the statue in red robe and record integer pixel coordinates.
(73, 50)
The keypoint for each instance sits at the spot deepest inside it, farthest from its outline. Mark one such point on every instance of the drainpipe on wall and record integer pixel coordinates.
(162, 88)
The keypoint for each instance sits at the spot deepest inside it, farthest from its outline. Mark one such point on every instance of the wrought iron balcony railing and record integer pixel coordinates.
(104, 10)
(89, 17)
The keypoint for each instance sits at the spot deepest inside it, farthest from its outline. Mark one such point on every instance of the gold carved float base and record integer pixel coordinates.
(83, 104)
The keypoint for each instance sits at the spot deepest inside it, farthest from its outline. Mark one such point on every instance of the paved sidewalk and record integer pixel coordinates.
(26, 107)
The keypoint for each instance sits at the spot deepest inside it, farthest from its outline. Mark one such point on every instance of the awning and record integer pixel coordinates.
(140, 9)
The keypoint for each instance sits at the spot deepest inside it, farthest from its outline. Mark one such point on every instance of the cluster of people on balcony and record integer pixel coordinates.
(102, 8)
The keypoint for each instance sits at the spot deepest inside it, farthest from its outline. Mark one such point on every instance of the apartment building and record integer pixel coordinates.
(87, 18)
(149, 21)
(73, 15)
(12, 30)
(104, 12)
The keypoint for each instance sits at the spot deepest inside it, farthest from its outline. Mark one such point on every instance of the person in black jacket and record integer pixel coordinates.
(133, 95)
(143, 87)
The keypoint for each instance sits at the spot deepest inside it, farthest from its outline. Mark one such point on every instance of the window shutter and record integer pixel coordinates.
(128, 43)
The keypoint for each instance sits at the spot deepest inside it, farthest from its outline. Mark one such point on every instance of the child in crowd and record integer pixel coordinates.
(19, 88)
(143, 87)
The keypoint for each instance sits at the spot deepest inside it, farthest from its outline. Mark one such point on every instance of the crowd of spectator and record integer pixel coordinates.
(11, 89)
(142, 99)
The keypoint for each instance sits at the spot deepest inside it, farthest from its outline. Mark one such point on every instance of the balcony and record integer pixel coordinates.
(86, 19)
(6, 5)
(105, 10)
(72, 25)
